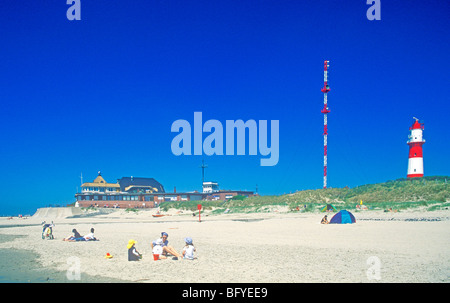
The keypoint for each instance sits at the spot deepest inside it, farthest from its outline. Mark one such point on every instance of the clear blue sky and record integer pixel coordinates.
(101, 93)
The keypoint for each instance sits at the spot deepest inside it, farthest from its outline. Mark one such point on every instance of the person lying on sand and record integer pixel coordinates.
(76, 234)
(89, 237)
(165, 246)
(391, 210)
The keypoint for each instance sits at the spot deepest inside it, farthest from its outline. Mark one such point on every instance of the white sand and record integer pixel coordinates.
(258, 247)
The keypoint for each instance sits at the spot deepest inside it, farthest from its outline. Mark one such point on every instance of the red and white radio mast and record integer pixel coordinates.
(325, 111)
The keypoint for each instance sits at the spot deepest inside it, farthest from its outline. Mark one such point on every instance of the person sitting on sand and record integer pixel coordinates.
(76, 234)
(165, 246)
(158, 249)
(324, 220)
(189, 249)
(391, 210)
(133, 254)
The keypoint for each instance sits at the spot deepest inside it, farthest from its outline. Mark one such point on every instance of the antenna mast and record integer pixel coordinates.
(203, 171)
(325, 111)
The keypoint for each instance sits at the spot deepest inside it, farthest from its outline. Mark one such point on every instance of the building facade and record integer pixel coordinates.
(210, 187)
(136, 192)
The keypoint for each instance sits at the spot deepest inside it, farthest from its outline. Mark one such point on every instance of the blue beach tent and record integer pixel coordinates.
(343, 217)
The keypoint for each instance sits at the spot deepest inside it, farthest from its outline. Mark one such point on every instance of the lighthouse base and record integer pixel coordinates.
(415, 176)
(415, 167)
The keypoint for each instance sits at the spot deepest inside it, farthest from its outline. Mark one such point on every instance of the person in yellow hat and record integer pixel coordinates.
(133, 254)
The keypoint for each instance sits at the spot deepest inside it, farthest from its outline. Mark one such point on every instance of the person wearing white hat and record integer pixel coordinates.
(167, 249)
(158, 249)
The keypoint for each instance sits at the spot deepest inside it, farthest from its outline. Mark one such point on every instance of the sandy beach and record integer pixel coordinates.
(277, 246)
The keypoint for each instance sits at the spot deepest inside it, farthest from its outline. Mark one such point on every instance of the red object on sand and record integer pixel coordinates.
(199, 207)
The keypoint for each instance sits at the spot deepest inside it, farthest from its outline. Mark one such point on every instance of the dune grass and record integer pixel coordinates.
(429, 193)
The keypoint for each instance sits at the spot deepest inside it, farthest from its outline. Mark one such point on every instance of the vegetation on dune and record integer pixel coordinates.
(430, 192)
(400, 190)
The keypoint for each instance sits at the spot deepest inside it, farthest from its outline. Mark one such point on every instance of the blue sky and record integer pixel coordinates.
(101, 93)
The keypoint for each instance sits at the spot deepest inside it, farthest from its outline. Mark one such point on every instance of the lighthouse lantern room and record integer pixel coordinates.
(415, 142)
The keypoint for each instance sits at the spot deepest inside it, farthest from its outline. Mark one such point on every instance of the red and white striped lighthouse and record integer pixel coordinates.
(415, 142)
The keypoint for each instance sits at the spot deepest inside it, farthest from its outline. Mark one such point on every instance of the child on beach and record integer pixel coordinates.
(189, 249)
(167, 249)
(133, 254)
(158, 249)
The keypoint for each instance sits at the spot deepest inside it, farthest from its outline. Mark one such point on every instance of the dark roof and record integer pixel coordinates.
(127, 181)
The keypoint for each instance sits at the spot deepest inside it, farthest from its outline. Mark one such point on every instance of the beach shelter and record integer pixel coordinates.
(343, 217)
(329, 207)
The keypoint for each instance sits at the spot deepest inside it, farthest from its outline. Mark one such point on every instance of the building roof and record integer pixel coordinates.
(417, 125)
(100, 182)
(127, 183)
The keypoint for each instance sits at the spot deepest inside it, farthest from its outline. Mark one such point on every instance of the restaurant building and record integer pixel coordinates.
(137, 192)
